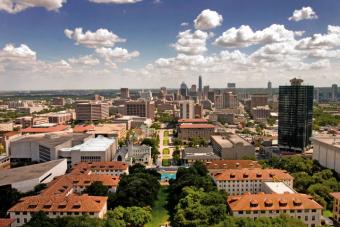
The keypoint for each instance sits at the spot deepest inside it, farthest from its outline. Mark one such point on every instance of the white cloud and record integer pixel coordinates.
(100, 38)
(319, 41)
(116, 1)
(306, 13)
(208, 19)
(20, 53)
(184, 24)
(15, 6)
(244, 36)
(117, 54)
(84, 60)
(191, 43)
(157, 2)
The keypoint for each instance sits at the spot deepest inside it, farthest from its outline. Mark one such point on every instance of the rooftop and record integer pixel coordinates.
(94, 166)
(10, 176)
(252, 174)
(228, 141)
(328, 140)
(336, 195)
(82, 128)
(263, 201)
(196, 126)
(199, 153)
(99, 143)
(56, 128)
(232, 164)
(195, 120)
(279, 187)
(56, 203)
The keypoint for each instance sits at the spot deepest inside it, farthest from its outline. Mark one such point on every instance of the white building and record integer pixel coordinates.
(187, 110)
(25, 178)
(134, 154)
(326, 150)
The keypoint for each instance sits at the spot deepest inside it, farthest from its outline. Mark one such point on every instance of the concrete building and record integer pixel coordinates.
(5, 161)
(258, 100)
(198, 110)
(58, 101)
(220, 165)
(6, 127)
(187, 109)
(141, 108)
(117, 130)
(99, 149)
(253, 206)
(260, 113)
(92, 111)
(326, 150)
(132, 122)
(230, 100)
(124, 93)
(193, 154)
(239, 181)
(189, 131)
(44, 128)
(25, 178)
(334, 92)
(183, 91)
(61, 117)
(232, 147)
(132, 154)
(336, 207)
(43, 147)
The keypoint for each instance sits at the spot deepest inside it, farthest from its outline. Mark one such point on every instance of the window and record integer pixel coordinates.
(18, 220)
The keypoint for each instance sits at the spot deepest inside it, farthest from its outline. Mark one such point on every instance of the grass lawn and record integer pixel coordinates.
(166, 141)
(166, 133)
(166, 151)
(159, 213)
(327, 213)
(165, 162)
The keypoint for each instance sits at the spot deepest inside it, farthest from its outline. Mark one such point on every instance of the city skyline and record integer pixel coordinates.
(108, 44)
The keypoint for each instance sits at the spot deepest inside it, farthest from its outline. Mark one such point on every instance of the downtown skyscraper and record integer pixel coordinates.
(295, 116)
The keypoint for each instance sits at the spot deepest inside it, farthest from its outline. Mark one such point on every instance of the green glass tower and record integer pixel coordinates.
(295, 116)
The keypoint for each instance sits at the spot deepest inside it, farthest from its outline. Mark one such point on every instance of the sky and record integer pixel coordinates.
(108, 44)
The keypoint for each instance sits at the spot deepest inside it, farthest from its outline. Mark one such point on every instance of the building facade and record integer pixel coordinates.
(92, 111)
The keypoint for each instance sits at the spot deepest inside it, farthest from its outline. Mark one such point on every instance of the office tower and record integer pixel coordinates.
(200, 84)
(141, 108)
(269, 88)
(92, 111)
(193, 88)
(183, 90)
(231, 85)
(187, 110)
(198, 110)
(205, 91)
(334, 92)
(316, 94)
(229, 100)
(295, 115)
(258, 100)
(124, 93)
(218, 101)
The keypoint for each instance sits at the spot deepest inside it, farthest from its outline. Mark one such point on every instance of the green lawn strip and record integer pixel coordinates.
(166, 133)
(159, 213)
(166, 151)
(165, 162)
(327, 213)
(166, 141)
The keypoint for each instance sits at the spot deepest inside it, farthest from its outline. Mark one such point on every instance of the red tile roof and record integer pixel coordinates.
(84, 167)
(12, 133)
(196, 126)
(232, 164)
(263, 201)
(336, 195)
(57, 203)
(56, 128)
(252, 174)
(83, 128)
(193, 120)
(6, 222)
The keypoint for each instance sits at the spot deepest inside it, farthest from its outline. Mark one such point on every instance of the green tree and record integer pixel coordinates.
(130, 216)
(8, 197)
(40, 219)
(97, 189)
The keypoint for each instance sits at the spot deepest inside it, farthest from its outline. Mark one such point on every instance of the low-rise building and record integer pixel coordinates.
(232, 146)
(45, 128)
(220, 165)
(239, 181)
(253, 206)
(6, 127)
(189, 131)
(276, 187)
(25, 178)
(326, 150)
(336, 207)
(260, 113)
(112, 168)
(5, 162)
(193, 154)
(132, 154)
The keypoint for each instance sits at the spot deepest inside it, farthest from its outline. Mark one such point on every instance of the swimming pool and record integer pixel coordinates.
(168, 176)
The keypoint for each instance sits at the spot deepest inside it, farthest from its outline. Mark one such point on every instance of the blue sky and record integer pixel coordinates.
(150, 28)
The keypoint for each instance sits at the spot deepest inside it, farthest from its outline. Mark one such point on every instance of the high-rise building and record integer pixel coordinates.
(183, 89)
(124, 93)
(334, 92)
(316, 94)
(258, 100)
(187, 110)
(229, 100)
(92, 111)
(200, 84)
(295, 115)
(193, 88)
(205, 91)
(270, 89)
(141, 108)
(231, 85)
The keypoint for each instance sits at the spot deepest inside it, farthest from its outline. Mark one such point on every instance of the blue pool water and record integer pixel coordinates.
(168, 176)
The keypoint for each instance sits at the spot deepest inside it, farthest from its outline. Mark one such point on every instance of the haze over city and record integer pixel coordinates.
(83, 44)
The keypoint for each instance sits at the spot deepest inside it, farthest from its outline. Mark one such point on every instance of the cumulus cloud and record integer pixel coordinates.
(184, 24)
(321, 41)
(306, 13)
(117, 54)
(191, 43)
(84, 60)
(244, 36)
(100, 38)
(20, 53)
(208, 19)
(116, 1)
(15, 6)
